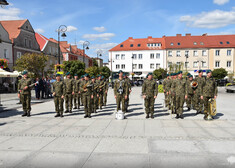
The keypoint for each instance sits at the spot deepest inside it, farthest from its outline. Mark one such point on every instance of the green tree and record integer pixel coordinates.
(219, 73)
(32, 62)
(74, 67)
(175, 68)
(93, 71)
(95, 63)
(159, 73)
(105, 71)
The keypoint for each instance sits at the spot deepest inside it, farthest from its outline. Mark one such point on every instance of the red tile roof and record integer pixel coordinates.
(13, 27)
(42, 41)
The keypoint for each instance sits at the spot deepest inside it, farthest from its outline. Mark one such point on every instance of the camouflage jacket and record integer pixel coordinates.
(200, 81)
(25, 82)
(179, 87)
(209, 88)
(167, 85)
(86, 85)
(76, 85)
(150, 88)
(120, 87)
(69, 86)
(59, 88)
(95, 87)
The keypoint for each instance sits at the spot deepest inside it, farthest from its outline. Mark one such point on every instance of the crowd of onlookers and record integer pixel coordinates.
(43, 87)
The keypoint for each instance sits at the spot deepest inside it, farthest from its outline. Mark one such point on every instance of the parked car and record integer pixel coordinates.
(230, 88)
(221, 82)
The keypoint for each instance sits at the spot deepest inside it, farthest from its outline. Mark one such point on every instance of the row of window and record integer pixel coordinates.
(201, 43)
(138, 66)
(149, 45)
(217, 64)
(204, 64)
(137, 56)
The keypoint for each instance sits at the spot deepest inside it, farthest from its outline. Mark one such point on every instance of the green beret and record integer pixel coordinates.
(180, 72)
(188, 74)
(167, 74)
(99, 75)
(24, 72)
(208, 71)
(57, 75)
(93, 77)
(68, 73)
(120, 71)
(86, 75)
(76, 75)
(175, 74)
(149, 74)
(200, 71)
(82, 76)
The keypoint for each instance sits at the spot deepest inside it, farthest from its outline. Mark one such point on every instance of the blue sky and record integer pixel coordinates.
(106, 23)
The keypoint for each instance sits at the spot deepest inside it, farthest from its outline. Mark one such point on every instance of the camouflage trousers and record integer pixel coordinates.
(173, 103)
(76, 100)
(94, 103)
(121, 100)
(179, 104)
(26, 102)
(101, 97)
(105, 98)
(59, 105)
(68, 101)
(189, 101)
(87, 100)
(149, 105)
(127, 102)
(167, 100)
(197, 102)
(206, 105)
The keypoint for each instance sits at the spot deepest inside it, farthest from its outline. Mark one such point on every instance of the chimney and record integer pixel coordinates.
(178, 35)
(205, 34)
(149, 37)
(188, 34)
(130, 38)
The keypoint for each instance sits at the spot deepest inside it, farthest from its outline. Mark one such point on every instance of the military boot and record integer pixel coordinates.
(152, 116)
(147, 116)
(57, 115)
(75, 107)
(28, 114)
(66, 111)
(25, 114)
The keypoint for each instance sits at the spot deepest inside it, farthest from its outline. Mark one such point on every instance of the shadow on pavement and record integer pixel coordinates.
(44, 113)
(218, 115)
(161, 114)
(134, 114)
(101, 114)
(10, 113)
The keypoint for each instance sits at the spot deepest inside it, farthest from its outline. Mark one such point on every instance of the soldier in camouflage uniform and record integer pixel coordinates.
(69, 92)
(187, 100)
(190, 91)
(80, 93)
(58, 94)
(199, 102)
(149, 93)
(120, 91)
(173, 97)
(129, 91)
(24, 93)
(106, 88)
(180, 91)
(94, 101)
(101, 90)
(87, 92)
(76, 92)
(166, 89)
(209, 90)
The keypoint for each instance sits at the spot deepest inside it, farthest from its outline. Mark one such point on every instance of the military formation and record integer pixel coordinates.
(91, 92)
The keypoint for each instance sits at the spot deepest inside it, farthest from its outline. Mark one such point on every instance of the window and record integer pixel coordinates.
(178, 43)
(30, 45)
(148, 45)
(177, 53)
(158, 56)
(229, 64)
(169, 64)
(186, 53)
(204, 53)
(25, 42)
(221, 42)
(217, 52)
(186, 64)
(123, 66)
(195, 64)
(204, 65)
(117, 56)
(217, 64)
(18, 54)
(151, 56)
(134, 56)
(228, 52)
(5, 53)
(117, 66)
(172, 44)
(195, 53)
(157, 66)
(123, 56)
(151, 66)
(195, 43)
(139, 45)
(228, 42)
(201, 43)
(140, 66)
(169, 53)
(140, 56)
(121, 45)
(131, 45)
(134, 66)
(178, 63)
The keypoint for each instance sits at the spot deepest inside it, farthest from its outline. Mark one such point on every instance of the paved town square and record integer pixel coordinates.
(102, 141)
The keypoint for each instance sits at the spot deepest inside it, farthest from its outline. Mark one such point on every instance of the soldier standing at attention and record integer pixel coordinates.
(101, 91)
(69, 92)
(76, 92)
(173, 96)
(129, 91)
(87, 92)
(190, 91)
(166, 89)
(180, 92)
(106, 88)
(95, 94)
(24, 93)
(199, 103)
(120, 91)
(58, 94)
(80, 93)
(149, 92)
(209, 90)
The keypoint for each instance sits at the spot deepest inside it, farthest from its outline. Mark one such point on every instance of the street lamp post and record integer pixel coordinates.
(186, 62)
(99, 54)
(132, 66)
(63, 29)
(3, 2)
(85, 46)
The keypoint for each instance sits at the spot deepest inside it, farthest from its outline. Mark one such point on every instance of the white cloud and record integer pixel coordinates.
(220, 2)
(39, 30)
(10, 13)
(99, 29)
(71, 28)
(103, 36)
(211, 20)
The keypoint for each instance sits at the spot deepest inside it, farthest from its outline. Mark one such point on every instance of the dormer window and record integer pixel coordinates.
(121, 45)
(139, 45)
(131, 45)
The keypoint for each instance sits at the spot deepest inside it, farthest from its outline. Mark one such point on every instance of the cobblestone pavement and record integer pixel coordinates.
(103, 141)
